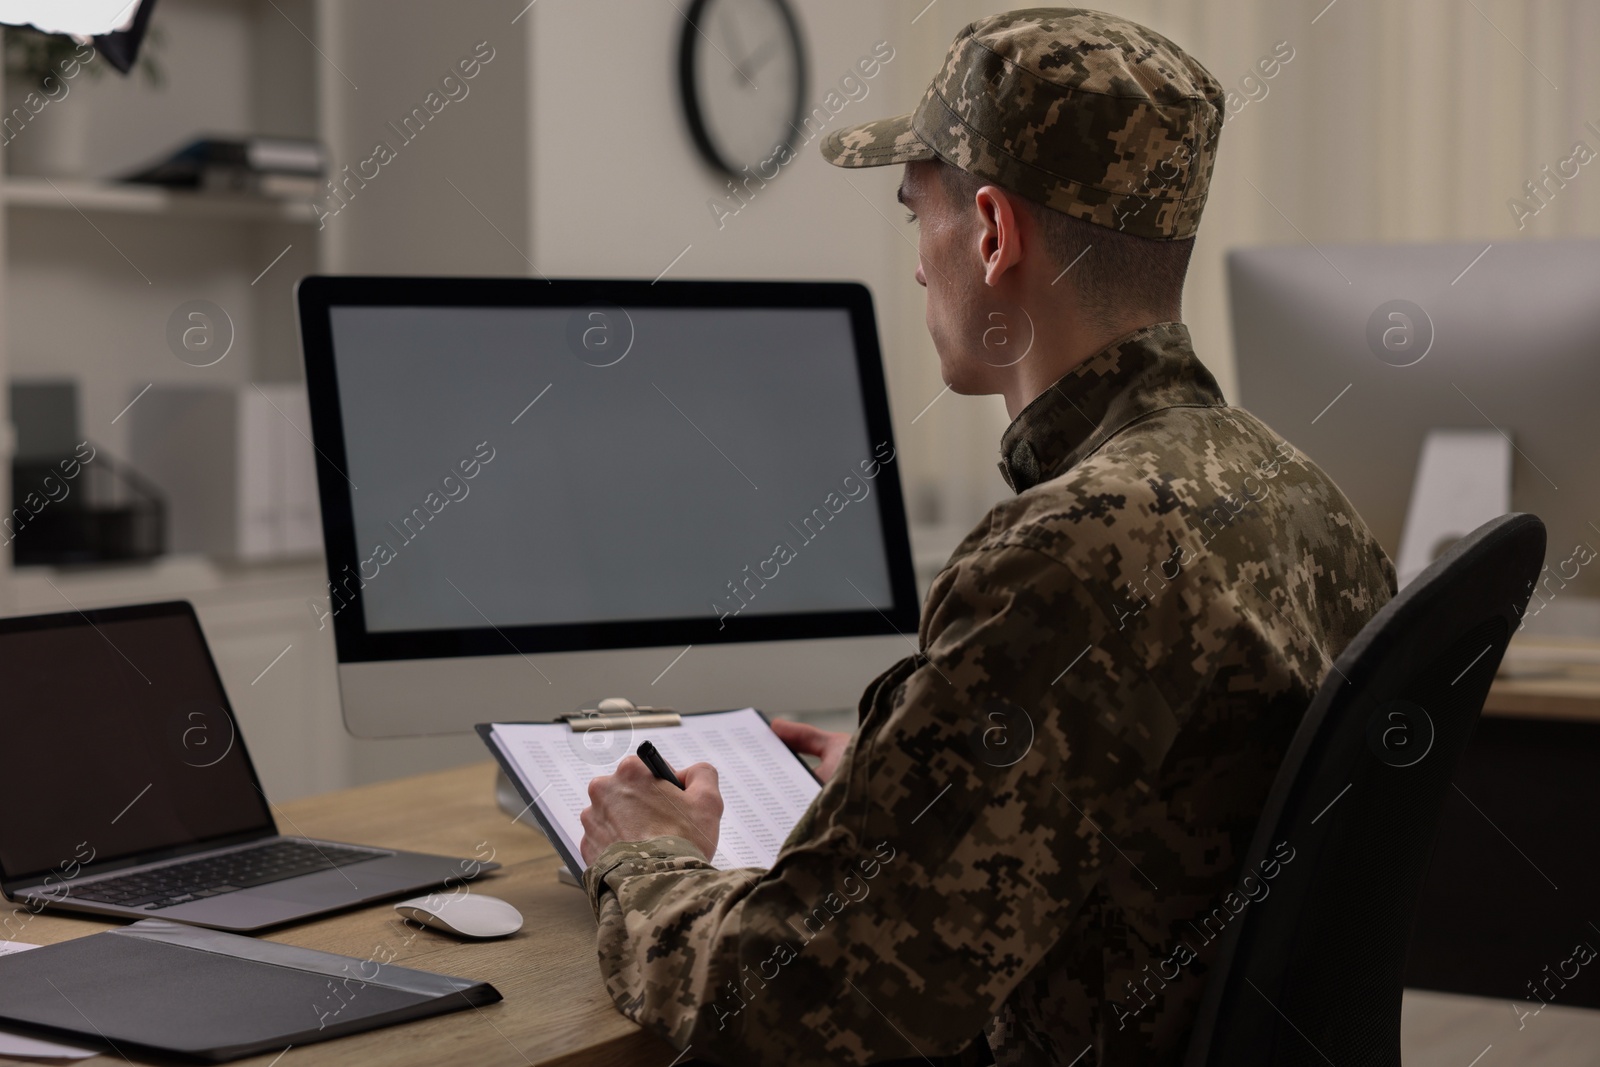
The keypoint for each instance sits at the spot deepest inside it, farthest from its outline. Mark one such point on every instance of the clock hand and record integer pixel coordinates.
(758, 59)
(730, 37)
(720, 52)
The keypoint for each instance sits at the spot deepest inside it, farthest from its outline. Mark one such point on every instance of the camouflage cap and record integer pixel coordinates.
(1084, 112)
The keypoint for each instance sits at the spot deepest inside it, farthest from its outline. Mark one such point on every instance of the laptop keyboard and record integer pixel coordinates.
(181, 883)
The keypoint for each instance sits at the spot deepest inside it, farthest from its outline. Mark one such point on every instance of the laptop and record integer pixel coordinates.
(127, 790)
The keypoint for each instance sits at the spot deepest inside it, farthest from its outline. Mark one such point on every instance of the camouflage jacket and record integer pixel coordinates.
(1038, 828)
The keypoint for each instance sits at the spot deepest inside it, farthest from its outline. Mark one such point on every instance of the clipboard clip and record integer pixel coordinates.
(619, 713)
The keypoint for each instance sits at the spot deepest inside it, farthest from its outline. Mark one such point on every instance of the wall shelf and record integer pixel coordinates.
(65, 194)
(93, 271)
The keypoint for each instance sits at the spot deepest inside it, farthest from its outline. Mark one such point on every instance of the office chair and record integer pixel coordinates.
(1311, 974)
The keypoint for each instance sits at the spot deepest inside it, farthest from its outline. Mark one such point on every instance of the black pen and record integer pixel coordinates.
(658, 766)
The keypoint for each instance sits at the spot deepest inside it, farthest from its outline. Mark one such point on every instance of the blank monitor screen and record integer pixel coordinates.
(677, 465)
(634, 491)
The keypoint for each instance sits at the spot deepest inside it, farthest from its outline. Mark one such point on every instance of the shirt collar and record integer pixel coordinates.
(1153, 367)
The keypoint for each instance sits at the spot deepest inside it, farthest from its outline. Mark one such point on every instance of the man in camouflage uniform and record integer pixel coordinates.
(1038, 828)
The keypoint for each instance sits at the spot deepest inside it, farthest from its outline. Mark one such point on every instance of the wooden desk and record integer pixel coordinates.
(1449, 1030)
(1545, 698)
(555, 1010)
(1548, 679)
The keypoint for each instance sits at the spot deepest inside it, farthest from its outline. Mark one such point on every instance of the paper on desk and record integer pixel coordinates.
(17, 1045)
(765, 788)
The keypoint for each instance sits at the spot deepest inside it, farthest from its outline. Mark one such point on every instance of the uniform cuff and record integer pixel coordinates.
(624, 859)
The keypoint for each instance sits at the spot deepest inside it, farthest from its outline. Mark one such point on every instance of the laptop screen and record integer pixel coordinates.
(118, 742)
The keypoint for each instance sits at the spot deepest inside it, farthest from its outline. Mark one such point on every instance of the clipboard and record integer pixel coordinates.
(769, 801)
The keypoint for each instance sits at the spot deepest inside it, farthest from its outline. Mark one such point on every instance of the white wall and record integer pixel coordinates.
(619, 190)
(1394, 122)
(453, 199)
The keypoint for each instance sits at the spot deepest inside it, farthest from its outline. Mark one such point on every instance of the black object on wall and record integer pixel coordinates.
(121, 48)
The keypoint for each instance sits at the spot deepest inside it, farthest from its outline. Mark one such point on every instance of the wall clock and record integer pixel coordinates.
(742, 77)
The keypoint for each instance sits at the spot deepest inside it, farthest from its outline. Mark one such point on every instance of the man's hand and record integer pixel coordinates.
(635, 805)
(808, 740)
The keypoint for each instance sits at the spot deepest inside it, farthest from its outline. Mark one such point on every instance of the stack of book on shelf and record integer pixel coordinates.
(283, 167)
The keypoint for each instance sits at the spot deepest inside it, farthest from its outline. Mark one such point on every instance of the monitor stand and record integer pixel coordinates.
(1463, 480)
(508, 800)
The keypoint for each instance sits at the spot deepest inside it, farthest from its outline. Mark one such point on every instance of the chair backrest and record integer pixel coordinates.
(1311, 972)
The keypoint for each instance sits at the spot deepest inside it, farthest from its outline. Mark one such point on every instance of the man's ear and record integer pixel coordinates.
(999, 235)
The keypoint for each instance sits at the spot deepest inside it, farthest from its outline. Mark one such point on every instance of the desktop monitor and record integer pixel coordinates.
(536, 494)
(1502, 338)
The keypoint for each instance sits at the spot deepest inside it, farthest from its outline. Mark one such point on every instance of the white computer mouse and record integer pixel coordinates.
(463, 914)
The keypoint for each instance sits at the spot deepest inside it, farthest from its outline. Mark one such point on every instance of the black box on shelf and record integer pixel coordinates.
(82, 508)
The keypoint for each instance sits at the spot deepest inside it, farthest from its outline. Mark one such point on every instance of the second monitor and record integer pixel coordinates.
(1357, 352)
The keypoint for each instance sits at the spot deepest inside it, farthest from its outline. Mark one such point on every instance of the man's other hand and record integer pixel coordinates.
(634, 805)
(807, 740)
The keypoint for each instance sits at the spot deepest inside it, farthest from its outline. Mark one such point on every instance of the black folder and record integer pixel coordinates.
(163, 988)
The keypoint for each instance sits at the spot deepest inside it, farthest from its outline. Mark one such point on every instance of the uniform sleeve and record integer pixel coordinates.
(973, 813)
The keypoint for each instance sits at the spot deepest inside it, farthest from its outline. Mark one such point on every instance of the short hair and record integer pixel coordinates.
(1118, 272)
